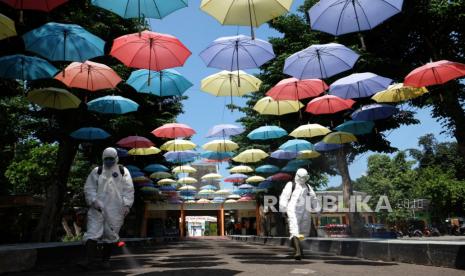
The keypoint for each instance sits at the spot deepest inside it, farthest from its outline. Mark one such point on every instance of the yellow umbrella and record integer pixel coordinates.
(159, 175)
(187, 188)
(166, 181)
(222, 192)
(398, 92)
(268, 106)
(241, 169)
(206, 192)
(255, 179)
(144, 151)
(7, 27)
(212, 176)
(339, 138)
(53, 98)
(178, 145)
(203, 200)
(226, 84)
(184, 169)
(230, 201)
(251, 156)
(187, 180)
(309, 131)
(221, 146)
(308, 154)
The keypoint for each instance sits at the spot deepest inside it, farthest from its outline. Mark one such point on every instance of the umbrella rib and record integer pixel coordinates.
(340, 16)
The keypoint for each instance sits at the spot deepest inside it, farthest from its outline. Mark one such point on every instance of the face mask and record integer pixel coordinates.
(109, 162)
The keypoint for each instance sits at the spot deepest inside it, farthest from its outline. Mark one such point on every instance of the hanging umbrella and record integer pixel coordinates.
(308, 154)
(435, 73)
(322, 146)
(255, 179)
(184, 169)
(251, 156)
(156, 168)
(211, 176)
(141, 8)
(218, 199)
(224, 131)
(309, 131)
(373, 112)
(296, 145)
(180, 156)
(290, 169)
(161, 175)
(206, 192)
(122, 152)
(173, 131)
(241, 169)
(221, 146)
(167, 188)
(231, 200)
(203, 201)
(26, 68)
(53, 98)
(281, 177)
(338, 17)
(339, 138)
(328, 104)
(7, 27)
(133, 168)
(267, 169)
(89, 75)
(356, 127)
(187, 187)
(135, 142)
(90, 134)
(266, 133)
(359, 85)
(283, 154)
(113, 105)
(187, 180)
(70, 42)
(217, 156)
(222, 192)
(398, 92)
(235, 178)
(234, 196)
(144, 151)
(38, 5)
(320, 61)
(135, 174)
(178, 145)
(295, 89)
(265, 184)
(246, 186)
(165, 83)
(166, 181)
(268, 106)
(299, 163)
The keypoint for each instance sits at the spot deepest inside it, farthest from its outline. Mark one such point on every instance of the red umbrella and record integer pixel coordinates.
(39, 5)
(281, 177)
(434, 73)
(328, 104)
(173, 131)
(295, 89)
(135, 142)
(90, 76)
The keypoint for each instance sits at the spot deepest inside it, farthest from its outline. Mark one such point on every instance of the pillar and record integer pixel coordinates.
(221, 220)
(182, 223)
(257, 219)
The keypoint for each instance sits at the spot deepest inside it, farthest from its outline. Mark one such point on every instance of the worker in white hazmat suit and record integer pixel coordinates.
(297, 200)
(109, 192)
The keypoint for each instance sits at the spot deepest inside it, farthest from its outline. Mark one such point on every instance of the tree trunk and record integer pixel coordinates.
(50, 218)
(452, 108)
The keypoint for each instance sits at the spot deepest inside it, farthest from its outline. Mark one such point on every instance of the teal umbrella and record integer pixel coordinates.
(267, 169)
(266, 133)
(296, 145)
(356, 127)
(165, 83)
(23, 67)
(113, 105)
(156, 168)
(90, 134)
(141, 8)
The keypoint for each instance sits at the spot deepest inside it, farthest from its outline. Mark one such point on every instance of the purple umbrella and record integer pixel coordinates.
(283, 154)
(320, 61)
(322, 146)
(224, 130)
(246, 186)
(373, 112)
(235, 178)
(180, 156)
(359, 85)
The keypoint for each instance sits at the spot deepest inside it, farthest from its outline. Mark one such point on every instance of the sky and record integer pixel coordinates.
(202, 111)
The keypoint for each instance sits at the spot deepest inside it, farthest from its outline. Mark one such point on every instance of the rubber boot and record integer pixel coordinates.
(106, 255)
(91, 262)
(298, 249)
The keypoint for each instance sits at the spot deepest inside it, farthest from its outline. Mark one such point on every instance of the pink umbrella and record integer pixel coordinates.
(135, 142)
(295, 89)
(328, 104)
(39, 5)
(434, 73)
(281, 177)
(173, 131)
(89, 75)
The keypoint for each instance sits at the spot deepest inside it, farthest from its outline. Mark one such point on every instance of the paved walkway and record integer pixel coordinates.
(222, 257)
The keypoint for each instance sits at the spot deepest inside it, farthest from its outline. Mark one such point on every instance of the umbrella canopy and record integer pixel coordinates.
(284, 154)
(187, 187)
(222, 192)
(215, 155)
(399, 92)
(168, 82)
(265, 184)
(141, 8)
(339, 138)
(187, 180)
(122, 152)
(235, 178)
(246, 186)
(296, 145)
(167, 188)
(268, 106)
(234, 196)
(320, 61)
(70, 42)
(144, 151)
(90, 134)
(150, 50)
(322, 146)
(281, 177)
(26, 68)
(356, 127)
(113, 105)
(166, 181)
(359, 85)
(308, 154)
(161, 175)
(251, 156)
(203, 201)
(255, 179)
(178, 145)
(339, 17)
(328, 104)
(295, 89)
(206, 192)
(267, 169)
(290, 168)
(211, 176)
(226, 84)
(435, 73)
(224, 130)
(173, 131)
(39, 5)
(89, 75)
(298, 163)
(221, 146)
(184, 169)
(53, 98)
(156, 168)
(135, 142)
(133, 168)
(180, 156)
(136, 174)
(7, 27)
(267, 132)
(309, 131)
(231, 200)
(373, 112)
(241, 169)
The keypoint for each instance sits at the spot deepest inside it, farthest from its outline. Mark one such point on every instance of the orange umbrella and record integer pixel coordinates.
(89, 75)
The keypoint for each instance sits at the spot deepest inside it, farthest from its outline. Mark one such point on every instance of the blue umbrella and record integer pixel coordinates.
(180, 156)
(135, 174)
(188, 197)
(188, 193)
(132, 168)
(122, 152)
(339, 17)
(167, 188)
(224, 131)
(113, 105)
(246, 186)
(237, 177)
(218, 199)
(141, 8)
(209, 187)
(374, 112)
(63, 42)
(298, 163)
(296, 145)
(267, 169)
(90, 134)
(214, 155)
(266, 132)
(265, 184)
(359, 85)
(152, 168)
(320, 61)
(356, 127)
(23, 67)
(290, 168)
(165, 83)
(284, 154)
(322, 146)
